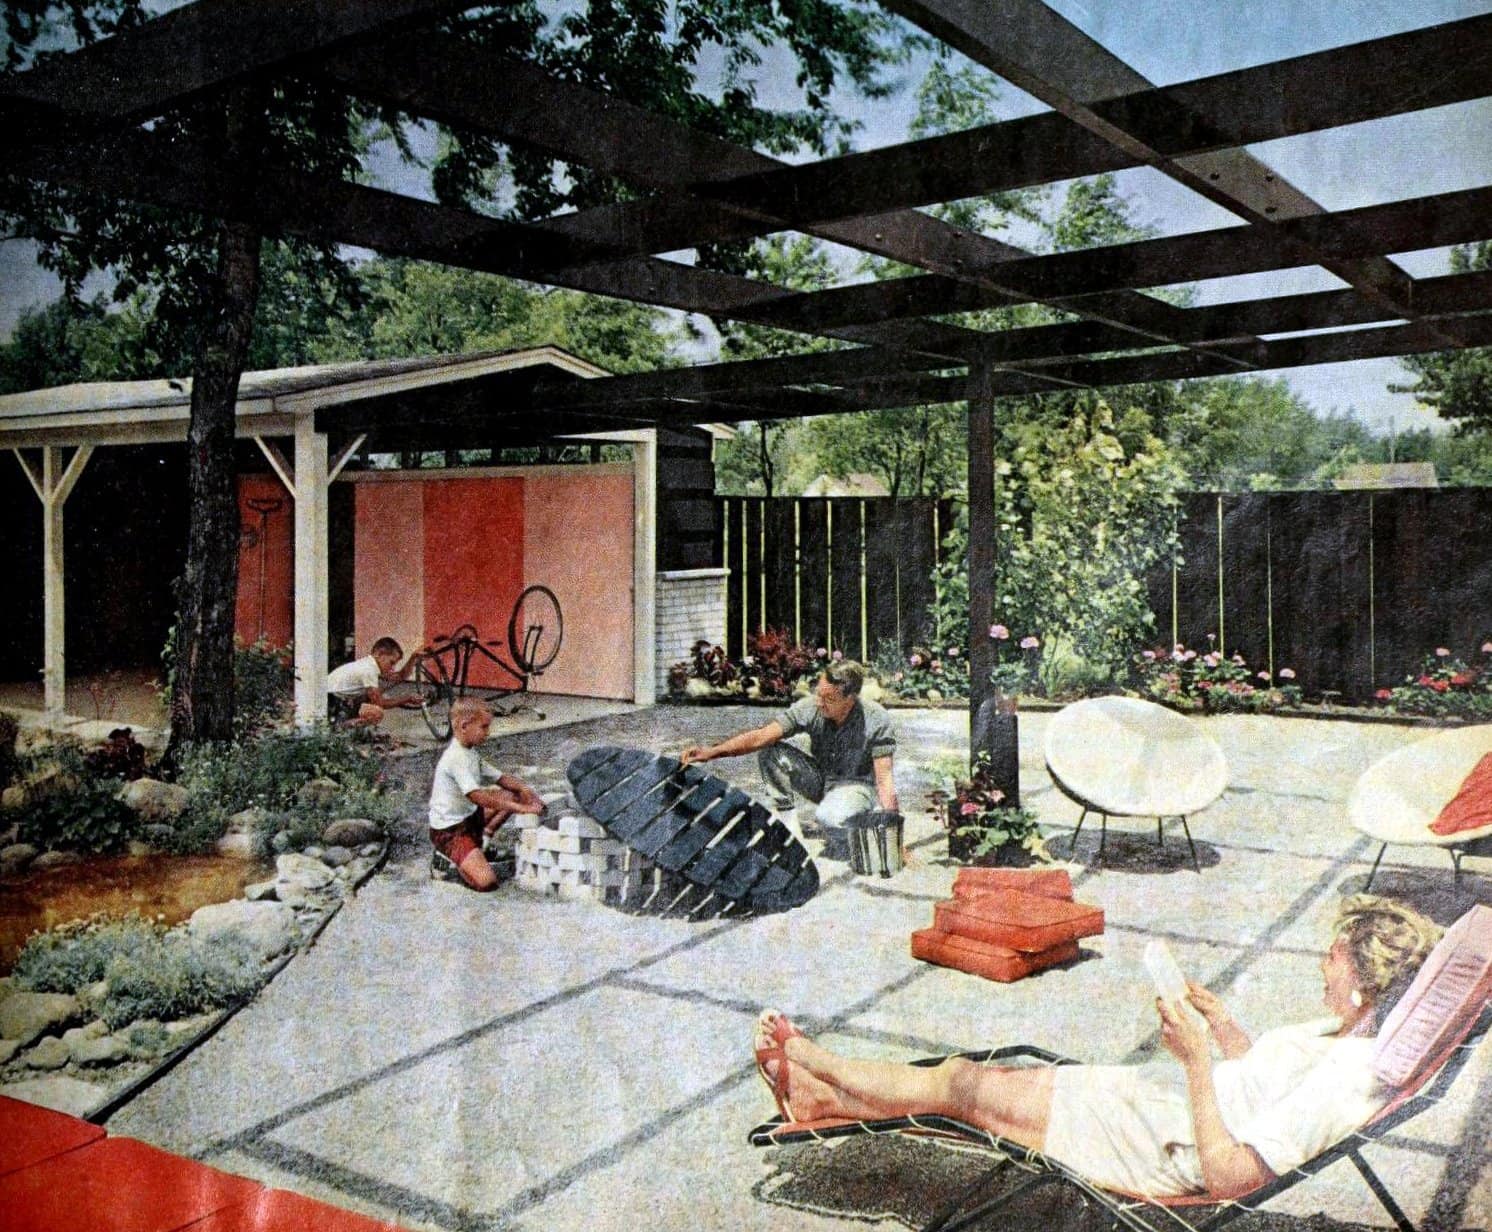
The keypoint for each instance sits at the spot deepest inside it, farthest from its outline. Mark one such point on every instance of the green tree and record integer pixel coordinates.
(207, 275)
(1457, 385)
(920, 451)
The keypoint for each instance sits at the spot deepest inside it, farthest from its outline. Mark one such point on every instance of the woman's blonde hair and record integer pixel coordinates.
(1386, 942)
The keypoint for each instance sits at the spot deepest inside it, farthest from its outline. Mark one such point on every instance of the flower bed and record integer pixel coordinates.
(1445, 687)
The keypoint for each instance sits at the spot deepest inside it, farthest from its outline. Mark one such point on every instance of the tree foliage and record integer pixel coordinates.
(1457, 385)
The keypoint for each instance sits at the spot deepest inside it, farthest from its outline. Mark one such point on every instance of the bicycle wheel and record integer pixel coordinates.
(535, 630)
(435, 700)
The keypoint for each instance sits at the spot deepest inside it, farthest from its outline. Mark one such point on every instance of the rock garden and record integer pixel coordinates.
(137, 913)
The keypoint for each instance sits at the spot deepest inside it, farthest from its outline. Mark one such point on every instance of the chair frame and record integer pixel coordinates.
(1133, 1211)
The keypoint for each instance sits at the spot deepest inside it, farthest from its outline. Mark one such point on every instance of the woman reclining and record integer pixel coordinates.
(1218, 1128)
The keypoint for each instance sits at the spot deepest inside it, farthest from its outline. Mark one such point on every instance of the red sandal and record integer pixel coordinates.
(779, 1029)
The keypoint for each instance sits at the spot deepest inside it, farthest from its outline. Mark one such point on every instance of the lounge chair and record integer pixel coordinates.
(1124, 757)
(1399, 797)
(1421, 1050)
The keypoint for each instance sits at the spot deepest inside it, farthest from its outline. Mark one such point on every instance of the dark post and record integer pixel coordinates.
(992, 725)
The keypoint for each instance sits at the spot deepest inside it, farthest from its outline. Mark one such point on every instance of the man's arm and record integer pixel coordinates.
(743, 742)
(885, 784)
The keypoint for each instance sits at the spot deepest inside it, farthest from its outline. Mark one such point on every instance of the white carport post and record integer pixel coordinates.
(310, 571)
(53, 486)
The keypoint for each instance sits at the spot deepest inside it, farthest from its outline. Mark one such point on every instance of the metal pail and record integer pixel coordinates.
(875, 842)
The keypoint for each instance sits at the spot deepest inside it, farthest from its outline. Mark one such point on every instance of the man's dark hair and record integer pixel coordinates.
(845, 675)
(387, 645)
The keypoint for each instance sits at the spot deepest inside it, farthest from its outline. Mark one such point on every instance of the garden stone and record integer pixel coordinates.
(268, 927)
(236, 846)
(61, 1093)
(259, 891)
(350, 832)
(301, 869)
(96, 1029)
(319, 793)
(51, 1053)
(247, 821)
(16, 857)
(158, 834)
(56, 859)
(8, 1049)
(336, 857)
(313, 852)
(154, 801)
(138, 847)
(106, 1050)
(281, 841)
(370, 849)
(26, 1015)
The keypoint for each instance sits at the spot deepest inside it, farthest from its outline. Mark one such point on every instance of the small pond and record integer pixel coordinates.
(171, 887)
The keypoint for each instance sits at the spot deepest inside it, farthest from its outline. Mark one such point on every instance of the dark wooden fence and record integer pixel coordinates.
(847, 573)
(1350, 590)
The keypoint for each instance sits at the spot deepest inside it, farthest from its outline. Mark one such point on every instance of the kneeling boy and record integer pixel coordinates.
(463, 812)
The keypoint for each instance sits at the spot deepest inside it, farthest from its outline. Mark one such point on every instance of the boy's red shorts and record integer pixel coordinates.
(459, 841)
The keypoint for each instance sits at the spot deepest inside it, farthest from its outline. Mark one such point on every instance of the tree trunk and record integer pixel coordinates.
(202, 691)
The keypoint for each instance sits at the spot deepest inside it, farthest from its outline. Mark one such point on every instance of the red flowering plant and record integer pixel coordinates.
(1210, 680)
(982, 826)
(774, 663)
(1446, 686)
(707, 672)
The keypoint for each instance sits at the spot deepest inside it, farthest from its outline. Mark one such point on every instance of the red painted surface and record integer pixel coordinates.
(266, 562)
(389, 569)
(578, 542)
(278, 1210)
(119, 1184)
(29, 1135)
(474, 565)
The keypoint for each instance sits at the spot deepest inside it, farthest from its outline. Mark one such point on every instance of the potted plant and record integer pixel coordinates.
(983, 827)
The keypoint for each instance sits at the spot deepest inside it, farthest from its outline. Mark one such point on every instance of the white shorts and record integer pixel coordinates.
(1123, 1130)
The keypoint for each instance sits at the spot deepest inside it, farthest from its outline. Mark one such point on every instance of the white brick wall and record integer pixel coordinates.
(690, 606)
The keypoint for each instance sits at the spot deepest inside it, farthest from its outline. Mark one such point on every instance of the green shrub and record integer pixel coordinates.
(69, 806)
(1446, 687)
(185, 976)
(72, 956)
(10, 728)
(263, 686)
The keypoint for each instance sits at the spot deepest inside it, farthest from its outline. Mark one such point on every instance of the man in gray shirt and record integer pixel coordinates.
(851, 740)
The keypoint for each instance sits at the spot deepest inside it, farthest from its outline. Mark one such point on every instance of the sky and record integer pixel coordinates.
(1170, 41)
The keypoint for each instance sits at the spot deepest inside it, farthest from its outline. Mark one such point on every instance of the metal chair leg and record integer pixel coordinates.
(1103, 836)
(1373, 872)
(1072, 846)
(1380, 1191)
(1160, 832)
(1196, 863)
(1456, 854)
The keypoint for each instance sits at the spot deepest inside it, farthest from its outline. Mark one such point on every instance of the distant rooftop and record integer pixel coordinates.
(859, 484)
(1388, 475)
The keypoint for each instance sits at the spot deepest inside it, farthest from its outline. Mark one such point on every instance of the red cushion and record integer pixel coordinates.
(993, 962)
(1048, 882)
(118, 1184)
(1026, 922)
(1471, 807)
(30, 1134)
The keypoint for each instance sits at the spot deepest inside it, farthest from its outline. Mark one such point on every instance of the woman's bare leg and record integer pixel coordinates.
(1013, 1103)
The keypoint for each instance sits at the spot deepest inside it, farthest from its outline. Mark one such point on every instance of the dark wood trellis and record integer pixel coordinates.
(78, 121)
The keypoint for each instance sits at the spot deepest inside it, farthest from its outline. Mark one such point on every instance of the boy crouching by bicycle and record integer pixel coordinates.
(354, 691)
(464, 812)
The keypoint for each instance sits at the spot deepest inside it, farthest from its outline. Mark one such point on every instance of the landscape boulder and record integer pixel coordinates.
(56, 859)
(51, 1053)
(26, 1015)
(16, 857)
(154, 801)
(350, 832)
(318, 793)
(268, 927)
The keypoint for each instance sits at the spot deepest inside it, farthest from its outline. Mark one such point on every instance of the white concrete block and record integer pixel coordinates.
(584, 827)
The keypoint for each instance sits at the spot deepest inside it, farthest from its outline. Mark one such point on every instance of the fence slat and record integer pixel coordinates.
(1320, 548)
(844, 571)
(914, 529)
(733, 519)
(813, 569)
(882, 559)
(1196, 579)
(1245, 577)
(753, 533)
(779, 560)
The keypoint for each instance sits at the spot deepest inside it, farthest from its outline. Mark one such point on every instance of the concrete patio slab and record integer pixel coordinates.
(455, 1061)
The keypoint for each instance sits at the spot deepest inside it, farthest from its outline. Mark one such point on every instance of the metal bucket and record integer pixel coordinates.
(875, 842)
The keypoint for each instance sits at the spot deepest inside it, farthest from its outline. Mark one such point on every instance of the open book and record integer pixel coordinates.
(1170, 984)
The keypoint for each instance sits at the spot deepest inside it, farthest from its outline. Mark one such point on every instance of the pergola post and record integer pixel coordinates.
(53, 486)
(311, 585)
(993, 728)
(644, 568)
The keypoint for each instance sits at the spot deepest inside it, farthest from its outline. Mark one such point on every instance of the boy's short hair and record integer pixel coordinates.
(464, 708)
(387, 645)
(845, 675)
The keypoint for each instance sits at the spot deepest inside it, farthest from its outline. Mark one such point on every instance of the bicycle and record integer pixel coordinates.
(442, 672)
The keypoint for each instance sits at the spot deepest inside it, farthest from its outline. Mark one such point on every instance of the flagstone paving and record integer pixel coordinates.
(456, 1061)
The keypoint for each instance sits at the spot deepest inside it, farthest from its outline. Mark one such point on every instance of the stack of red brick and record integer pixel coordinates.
(1005, 923)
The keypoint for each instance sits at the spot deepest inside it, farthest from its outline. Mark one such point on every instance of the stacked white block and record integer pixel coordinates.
(567, 854)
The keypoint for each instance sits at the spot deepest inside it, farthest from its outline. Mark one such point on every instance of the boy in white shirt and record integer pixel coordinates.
(355, 690)
(463, 812)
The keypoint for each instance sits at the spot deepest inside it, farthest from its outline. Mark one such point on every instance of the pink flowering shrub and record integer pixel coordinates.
(980, 821)
(1446, 686)
(1190, 679)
